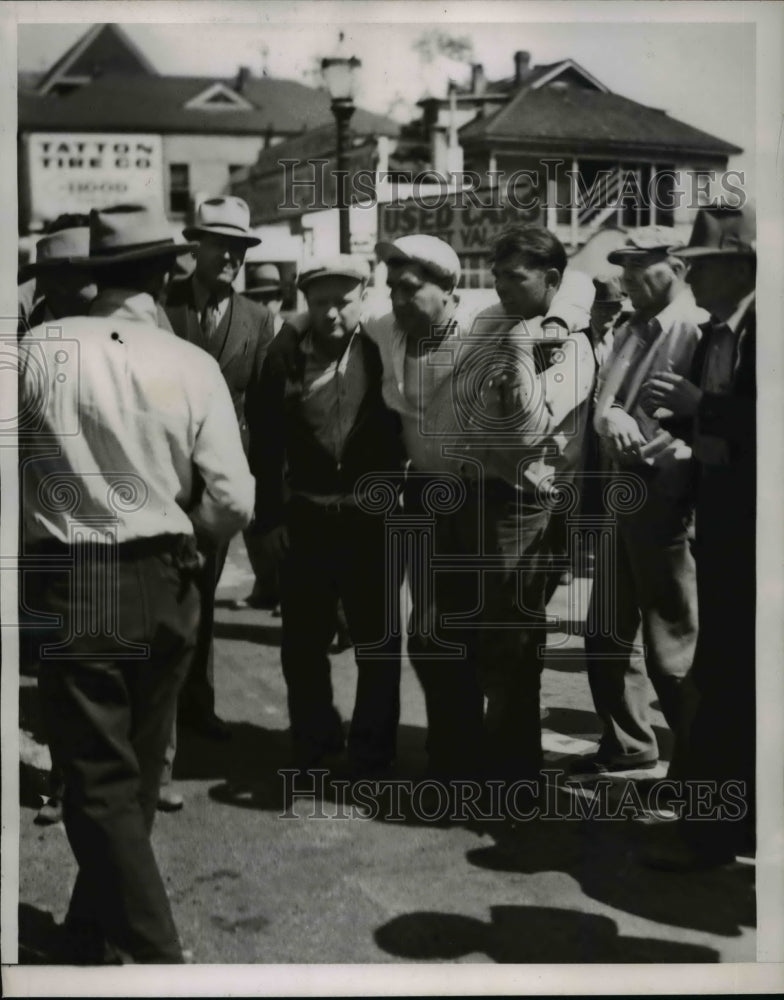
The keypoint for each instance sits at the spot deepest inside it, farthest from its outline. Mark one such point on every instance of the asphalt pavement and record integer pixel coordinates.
(256, 877)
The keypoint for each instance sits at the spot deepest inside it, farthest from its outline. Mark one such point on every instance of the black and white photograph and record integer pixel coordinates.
(391, 498)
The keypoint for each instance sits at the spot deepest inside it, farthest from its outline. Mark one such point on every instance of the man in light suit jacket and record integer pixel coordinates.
(205, 310)
(647, 576)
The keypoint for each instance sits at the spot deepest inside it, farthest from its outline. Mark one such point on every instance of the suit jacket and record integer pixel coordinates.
(239, 346)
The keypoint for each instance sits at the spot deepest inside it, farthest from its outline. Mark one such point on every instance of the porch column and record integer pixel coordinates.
(652, 194)
(574, 215)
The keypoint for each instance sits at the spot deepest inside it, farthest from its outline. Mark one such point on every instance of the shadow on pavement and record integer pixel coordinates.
(518, 934)
(603, 857)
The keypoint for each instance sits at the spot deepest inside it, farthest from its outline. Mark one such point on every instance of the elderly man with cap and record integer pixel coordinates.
(715, 406)
(475, 421)
(56, 283)
(132, 451)
(326, 428)
(205, 310)
(647, 575)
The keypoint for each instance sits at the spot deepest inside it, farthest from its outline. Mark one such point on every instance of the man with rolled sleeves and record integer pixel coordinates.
(714, 406)
(132, 452)
(205, 310)
(647, 576)
(325, 429)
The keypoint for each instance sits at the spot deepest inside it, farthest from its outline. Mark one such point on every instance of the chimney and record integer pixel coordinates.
(522, 65)
(478, 81)
(243, 76)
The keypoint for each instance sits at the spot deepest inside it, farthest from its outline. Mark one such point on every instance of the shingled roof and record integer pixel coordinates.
(582, 119)
(157, 104)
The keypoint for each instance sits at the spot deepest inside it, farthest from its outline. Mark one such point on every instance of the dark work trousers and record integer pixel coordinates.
(110, 674)
(340, 552)
(560, 556)
(477, 580)
(197, 697)
(722, 744)
(644, 573)
(266, 572)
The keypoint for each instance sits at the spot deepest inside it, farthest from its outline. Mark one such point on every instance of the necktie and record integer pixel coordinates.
(209, 318)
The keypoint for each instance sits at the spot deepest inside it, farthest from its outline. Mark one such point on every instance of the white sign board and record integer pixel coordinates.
(72, 172)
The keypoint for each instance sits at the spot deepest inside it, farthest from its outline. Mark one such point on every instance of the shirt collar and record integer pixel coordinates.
(201, 294)
(743, 307)
(122, 303)
(309, 348)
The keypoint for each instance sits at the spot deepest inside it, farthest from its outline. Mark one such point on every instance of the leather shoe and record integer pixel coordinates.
(169, 801)
(679, 857)
(51, 812)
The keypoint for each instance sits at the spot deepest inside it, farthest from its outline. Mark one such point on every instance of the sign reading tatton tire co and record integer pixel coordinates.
(76, 172)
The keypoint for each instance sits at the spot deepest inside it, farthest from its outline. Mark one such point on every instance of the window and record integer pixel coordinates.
(179, 188)
(475, 271)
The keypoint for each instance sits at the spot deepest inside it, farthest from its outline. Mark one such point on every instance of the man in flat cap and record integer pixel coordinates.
(714, 406)
(132, 452)
(647, 577)
(205, 310)
(475, 420)
(326, 427)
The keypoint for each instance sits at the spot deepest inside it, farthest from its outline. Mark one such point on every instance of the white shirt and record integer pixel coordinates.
(127, 421)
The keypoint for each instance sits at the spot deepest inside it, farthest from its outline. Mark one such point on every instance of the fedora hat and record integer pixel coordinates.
(227, 216)
(61, 249)
(130, 232)
(608, 289)
(261, 279)
(722, 231)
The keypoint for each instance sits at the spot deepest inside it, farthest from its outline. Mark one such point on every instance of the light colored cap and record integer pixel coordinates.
(227, 216)
(261, 279)
(430, 252)
(647, 240)
(342, 266)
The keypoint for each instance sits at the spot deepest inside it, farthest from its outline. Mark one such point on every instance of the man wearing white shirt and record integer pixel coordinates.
(475, 422)
(131, 450)
(647, 577)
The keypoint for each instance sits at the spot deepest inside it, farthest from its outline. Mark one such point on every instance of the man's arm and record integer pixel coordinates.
(226, 502)
(267, 450)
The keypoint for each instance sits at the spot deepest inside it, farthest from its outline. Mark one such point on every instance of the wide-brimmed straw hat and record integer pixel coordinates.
(228, 216)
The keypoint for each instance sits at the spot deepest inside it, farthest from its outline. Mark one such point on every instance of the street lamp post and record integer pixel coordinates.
(339, 74)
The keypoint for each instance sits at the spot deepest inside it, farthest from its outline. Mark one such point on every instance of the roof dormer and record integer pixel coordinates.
(218, 97)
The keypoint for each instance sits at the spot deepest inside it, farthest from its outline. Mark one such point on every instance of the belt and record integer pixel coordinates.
(132, 548)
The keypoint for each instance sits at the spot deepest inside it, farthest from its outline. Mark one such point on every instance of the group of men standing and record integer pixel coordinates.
(356, 452)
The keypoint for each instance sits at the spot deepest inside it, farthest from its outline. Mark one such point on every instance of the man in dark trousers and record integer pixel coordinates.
(716, 405)
(131, 451)
(205, 310)
(326, 427)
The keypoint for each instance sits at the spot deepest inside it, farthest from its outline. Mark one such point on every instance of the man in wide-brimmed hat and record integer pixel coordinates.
(57, 283)
(714, 405)
(205, 310)
(147, 456)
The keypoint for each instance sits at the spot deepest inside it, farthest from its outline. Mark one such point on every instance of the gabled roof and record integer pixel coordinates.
(103, 47)
(583, 120)
(158, 104)
(540, 76)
